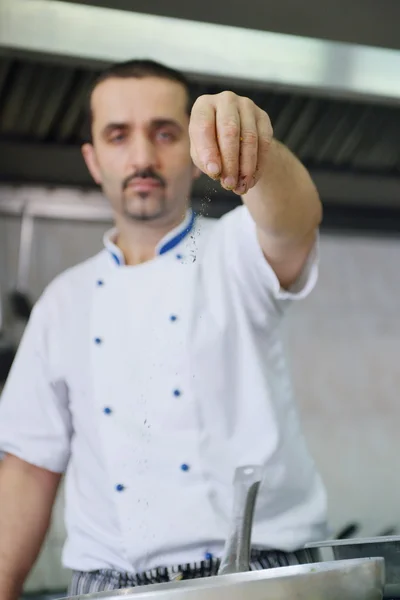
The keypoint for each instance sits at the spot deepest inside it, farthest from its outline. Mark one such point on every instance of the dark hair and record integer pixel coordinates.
(137, 68)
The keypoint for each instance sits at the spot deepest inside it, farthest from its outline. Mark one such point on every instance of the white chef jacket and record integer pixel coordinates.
(150, 384)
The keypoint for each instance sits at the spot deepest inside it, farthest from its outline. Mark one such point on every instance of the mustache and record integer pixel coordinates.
(143, 174)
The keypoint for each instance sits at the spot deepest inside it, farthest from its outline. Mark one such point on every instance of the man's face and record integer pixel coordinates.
(140, 153)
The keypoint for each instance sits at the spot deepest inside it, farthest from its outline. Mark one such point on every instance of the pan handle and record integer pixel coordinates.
(236, 555)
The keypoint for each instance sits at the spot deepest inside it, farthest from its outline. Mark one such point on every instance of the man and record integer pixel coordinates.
(151, 371)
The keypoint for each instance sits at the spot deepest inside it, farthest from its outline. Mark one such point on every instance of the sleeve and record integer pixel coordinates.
(35, 422)
(251, 268)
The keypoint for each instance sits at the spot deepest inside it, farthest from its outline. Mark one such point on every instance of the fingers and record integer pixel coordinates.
(265, 135)
(256, 137)
(248, 154)
(228, 135)
(202, 130)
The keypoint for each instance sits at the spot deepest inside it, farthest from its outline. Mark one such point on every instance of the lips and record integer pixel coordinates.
(144, 184)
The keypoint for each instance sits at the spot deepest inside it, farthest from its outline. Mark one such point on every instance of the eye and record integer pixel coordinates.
(165, 135)
(117, 138)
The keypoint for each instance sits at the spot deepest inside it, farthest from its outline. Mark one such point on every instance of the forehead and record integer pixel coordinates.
(137, 101)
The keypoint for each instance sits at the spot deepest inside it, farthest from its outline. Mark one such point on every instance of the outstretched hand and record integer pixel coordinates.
(229, 139)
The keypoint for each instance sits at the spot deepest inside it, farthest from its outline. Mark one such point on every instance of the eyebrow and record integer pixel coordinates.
(165, 122)
(154, 124)
(113, 126)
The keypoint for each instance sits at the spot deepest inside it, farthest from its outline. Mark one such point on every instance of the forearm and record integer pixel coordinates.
(284, 203)
(26, 499)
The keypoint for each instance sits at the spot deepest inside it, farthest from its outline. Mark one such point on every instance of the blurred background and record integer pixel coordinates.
(328, 74)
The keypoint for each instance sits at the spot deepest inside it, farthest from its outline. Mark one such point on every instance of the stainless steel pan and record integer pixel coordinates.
(361, 579)
(388, 547)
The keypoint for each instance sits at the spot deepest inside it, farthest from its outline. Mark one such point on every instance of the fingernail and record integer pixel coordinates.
(213, 169)
(230, 183)
(242, 187)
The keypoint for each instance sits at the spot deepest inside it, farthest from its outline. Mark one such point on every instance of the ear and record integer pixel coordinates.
(90, 159)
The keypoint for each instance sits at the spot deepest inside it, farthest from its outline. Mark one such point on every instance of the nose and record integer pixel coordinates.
(142, 153)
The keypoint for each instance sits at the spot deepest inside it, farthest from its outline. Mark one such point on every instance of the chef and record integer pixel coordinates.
(151, 371)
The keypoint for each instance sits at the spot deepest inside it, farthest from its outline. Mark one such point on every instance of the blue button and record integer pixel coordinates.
(208, 556)
(100, 282)
(120, 487)
(185, 467)
(173, 318)
(179, 256)
(177, 393)
(97, 340)
(107, 410)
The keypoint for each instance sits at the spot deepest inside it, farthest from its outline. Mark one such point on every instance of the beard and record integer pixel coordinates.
(147, 204)
(144, 206)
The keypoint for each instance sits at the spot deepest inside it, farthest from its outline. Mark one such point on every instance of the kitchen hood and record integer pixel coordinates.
(335, 105)
(102, 35)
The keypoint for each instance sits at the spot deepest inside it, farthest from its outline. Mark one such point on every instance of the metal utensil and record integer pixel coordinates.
(349, 531)
(386, 547)
(361, 579)
(236, 556)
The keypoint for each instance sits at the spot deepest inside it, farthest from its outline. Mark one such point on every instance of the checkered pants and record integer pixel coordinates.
(106, 580)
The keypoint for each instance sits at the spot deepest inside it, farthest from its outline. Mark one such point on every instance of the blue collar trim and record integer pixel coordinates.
(178, 235)
(171, 244)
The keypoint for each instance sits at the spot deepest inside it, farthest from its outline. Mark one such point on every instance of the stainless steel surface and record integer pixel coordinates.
(358, 21)
(387, 547)
(64, 204)
(25, 245)
(20, 300)
(349, 580)
(236, 555)
(82, 32)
